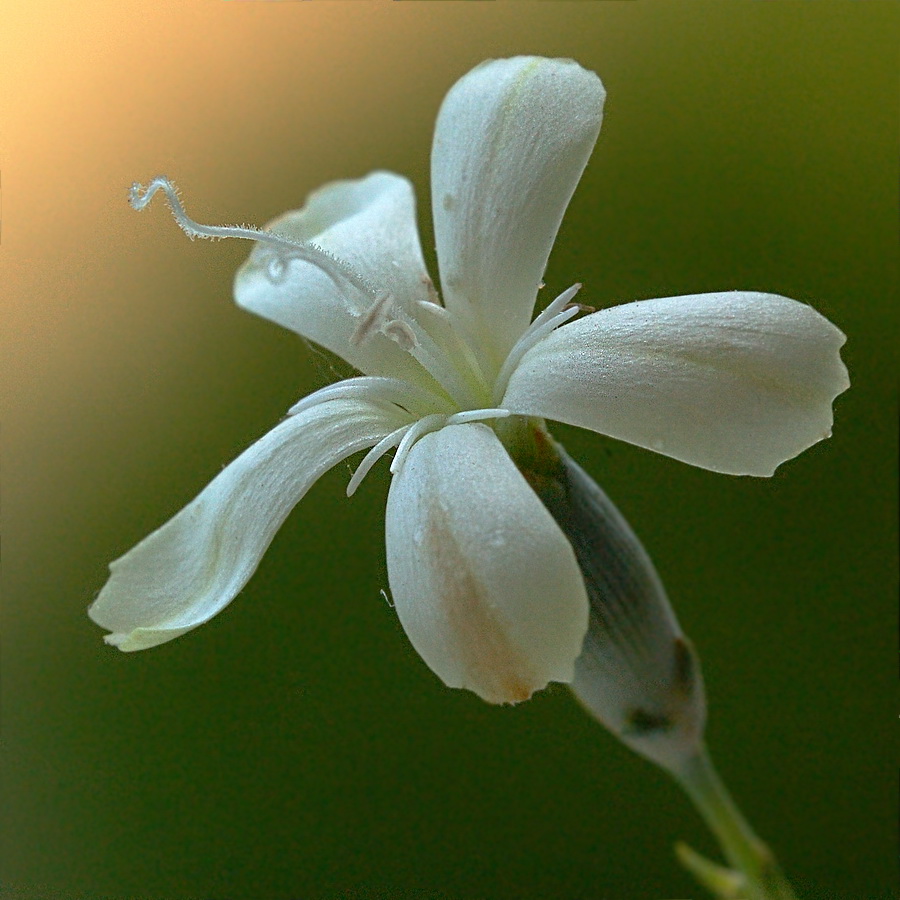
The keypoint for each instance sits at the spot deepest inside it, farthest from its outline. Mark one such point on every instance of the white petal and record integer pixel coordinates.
(194, 565)
(512, 139)
(483, 580)
(370, 223)
(733, 382)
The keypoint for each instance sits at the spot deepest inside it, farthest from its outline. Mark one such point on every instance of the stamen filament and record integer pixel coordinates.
(422, 427)
(449, 336)
(378, 389)
(372, 457)
(551, 318)
(476, 415)
(436, 362)
(557, 305)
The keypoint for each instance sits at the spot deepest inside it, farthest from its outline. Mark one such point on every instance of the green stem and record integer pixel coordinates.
(745, 852)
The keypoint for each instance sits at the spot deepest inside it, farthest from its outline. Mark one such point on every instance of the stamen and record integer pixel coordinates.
(381, 317)
(277, 268)
(336, 269)
(476, 415)
(422, 427)
(439, 318)
(438, 311)
(372, 320)
(551, 318)
(558, 305)
(434, 359)
(410, 335)
(401, 333)
(372, 457)
(379, 389)
(559, 319)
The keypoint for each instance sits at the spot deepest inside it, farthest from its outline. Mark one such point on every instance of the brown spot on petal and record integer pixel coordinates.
(491, 664)
(431, 290)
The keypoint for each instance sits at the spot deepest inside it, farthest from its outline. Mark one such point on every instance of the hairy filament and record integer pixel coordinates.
(379, 389)
(383, 316)
(372, 457)
(551, 318)
(336, 269)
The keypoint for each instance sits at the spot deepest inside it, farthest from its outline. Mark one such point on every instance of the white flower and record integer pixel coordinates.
(485, 583)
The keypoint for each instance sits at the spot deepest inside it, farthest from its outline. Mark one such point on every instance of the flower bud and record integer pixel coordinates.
(637, 673)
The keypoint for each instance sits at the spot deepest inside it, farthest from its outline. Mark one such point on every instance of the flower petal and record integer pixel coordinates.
(193, 566)
(512, 139)
(484, 582)
(733, 382)
(370, 224)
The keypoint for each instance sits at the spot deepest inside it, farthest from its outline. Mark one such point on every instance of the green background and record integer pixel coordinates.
(296, 747)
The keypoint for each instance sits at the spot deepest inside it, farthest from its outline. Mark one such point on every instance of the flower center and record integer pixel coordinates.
(457, 390)
(423, 329)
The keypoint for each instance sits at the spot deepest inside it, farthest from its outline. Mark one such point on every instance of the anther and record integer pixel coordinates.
(401, 333)
(371, 320)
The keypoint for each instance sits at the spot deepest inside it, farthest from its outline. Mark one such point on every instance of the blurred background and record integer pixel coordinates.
(296, 747)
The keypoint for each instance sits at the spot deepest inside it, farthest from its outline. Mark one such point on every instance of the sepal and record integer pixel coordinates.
(637, 672)
(720, 881)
